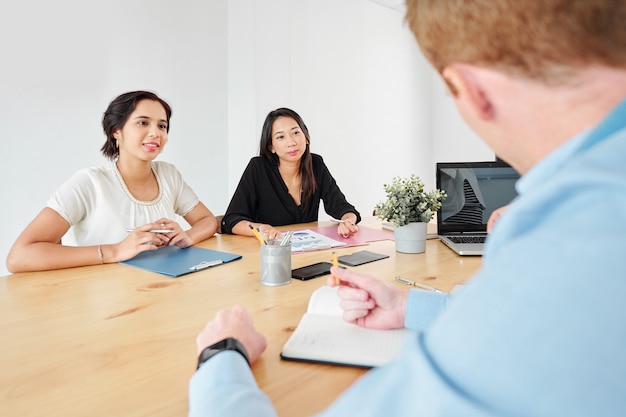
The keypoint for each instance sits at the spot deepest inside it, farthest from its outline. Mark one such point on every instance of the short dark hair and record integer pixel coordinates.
(309, 185)
(116, 115)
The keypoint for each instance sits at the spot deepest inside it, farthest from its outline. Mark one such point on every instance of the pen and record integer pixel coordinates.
(206, 264)
(335, 264)
(417, 284)
(286, 239)
(315, 247)
(342, 221)
(256, 233)
(153, 230)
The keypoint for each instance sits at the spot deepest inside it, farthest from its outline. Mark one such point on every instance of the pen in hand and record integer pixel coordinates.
(342, 221)
(335, 262)
(256, 233)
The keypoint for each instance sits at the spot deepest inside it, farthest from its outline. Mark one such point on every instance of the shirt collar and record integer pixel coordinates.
(614, 121)
(551, 163)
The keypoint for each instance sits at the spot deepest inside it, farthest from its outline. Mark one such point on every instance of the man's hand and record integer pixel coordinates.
(369, 302)
(235, 322)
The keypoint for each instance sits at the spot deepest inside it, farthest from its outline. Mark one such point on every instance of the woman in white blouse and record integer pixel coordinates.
(119, 210)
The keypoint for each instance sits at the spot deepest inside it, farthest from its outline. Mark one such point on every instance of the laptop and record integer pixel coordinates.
(475, 190)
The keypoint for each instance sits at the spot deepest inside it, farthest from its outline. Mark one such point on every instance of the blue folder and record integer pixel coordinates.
(174, 261)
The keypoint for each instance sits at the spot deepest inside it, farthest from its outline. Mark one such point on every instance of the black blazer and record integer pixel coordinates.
(262, 197)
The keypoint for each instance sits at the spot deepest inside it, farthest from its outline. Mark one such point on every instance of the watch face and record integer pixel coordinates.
(206, 354)
(226, 344)
(222, 344)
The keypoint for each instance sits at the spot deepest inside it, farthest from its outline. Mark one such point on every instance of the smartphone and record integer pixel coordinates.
(311, 271)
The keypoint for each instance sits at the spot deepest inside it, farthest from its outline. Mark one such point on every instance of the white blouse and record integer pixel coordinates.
(99, 208)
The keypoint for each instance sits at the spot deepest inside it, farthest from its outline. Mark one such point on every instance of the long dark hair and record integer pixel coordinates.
(309, 185)
(116, 115)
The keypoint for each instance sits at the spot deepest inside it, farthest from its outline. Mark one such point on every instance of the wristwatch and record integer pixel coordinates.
(230, 343)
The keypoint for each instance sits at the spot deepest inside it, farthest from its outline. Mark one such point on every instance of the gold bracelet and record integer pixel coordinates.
(100, 254)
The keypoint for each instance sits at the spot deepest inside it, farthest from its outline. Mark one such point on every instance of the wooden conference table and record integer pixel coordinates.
(113, 340)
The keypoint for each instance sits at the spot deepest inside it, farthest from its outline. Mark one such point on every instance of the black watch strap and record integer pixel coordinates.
(230, 343)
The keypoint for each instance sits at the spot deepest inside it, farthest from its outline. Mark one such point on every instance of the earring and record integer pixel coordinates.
(117, 144)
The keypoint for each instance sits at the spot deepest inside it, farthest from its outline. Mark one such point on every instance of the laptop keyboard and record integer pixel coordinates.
(467, 239)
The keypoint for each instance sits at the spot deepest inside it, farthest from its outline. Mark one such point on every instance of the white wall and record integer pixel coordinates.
(64, 61)
(350, 68)
(453, 140)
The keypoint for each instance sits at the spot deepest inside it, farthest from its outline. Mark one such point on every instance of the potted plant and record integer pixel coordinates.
(409, 208)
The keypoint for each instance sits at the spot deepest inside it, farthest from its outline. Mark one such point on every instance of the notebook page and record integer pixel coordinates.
(325, 301)
(331, 339)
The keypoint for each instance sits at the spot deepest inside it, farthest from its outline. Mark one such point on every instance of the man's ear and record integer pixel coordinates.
(468, 90)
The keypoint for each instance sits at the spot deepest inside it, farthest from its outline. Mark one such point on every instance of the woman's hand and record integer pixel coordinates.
(266, 231)
(347, 227)
(150, 236)
(177, 236)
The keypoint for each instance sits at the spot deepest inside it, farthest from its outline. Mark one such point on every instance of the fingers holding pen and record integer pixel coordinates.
(146, 240)
(368, 301)
(265, 231)
(171, 233)
(166, 226)
(154, 234)
(270, 233)
(347, 229)
(352, 296)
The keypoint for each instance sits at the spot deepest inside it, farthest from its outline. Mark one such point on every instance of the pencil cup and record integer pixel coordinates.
(275, 263)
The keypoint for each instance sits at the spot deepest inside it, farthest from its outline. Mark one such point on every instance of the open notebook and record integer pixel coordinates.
(474, 190)
(324, 336)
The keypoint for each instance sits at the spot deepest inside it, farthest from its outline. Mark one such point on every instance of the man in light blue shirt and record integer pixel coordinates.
(540, 330)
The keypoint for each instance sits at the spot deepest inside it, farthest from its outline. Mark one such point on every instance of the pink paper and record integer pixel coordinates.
(363, 237)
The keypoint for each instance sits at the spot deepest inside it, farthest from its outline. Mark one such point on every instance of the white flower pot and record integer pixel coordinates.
(410, 238)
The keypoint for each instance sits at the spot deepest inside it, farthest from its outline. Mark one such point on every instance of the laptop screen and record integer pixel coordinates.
(475, 190)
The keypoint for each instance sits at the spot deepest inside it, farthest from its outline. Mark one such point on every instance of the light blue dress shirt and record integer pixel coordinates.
(539, 331)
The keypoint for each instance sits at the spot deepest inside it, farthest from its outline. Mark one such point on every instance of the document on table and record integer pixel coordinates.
(327, 237)
(308, 240)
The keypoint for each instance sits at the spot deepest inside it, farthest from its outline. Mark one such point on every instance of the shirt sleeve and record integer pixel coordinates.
(335, 203)
(183, 197)
(242, 203)
(224, 386)
(422, 307)
(74, 198)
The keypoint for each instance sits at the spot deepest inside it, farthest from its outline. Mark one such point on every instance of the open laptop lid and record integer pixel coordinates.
(492, 182)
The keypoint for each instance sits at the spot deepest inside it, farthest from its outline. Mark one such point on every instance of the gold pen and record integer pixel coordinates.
(335, 264)
(417, 284)
(256, 234)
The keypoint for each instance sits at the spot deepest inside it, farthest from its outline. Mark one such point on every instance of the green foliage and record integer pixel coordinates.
(407, 202)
